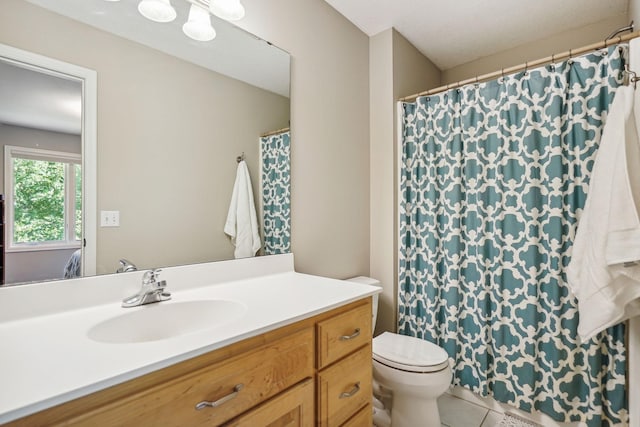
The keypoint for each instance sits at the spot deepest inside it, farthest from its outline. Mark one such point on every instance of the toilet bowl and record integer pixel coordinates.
(416, 372)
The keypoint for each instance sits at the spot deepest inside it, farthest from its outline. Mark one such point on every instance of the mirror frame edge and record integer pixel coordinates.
(89, 142)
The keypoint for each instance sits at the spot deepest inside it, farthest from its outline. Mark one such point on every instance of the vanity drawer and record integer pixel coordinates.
(263, 373)
(343, 334)
(292, 408)
(361, 419)
(344, 388)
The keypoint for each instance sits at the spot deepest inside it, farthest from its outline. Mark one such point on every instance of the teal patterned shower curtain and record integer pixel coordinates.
(276, 192)
(493, 180)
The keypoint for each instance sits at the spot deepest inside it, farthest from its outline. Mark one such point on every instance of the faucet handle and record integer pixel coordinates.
(126, 266)
(150, 276)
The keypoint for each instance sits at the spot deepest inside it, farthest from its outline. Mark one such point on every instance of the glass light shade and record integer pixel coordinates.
(157, 10)
(198, 27)
(230, 10)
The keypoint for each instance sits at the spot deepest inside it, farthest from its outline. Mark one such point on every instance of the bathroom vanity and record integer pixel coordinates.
(299, 355)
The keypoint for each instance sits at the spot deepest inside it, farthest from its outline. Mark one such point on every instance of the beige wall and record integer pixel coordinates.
(166, 163)
(35, 266)
(35, 138)
(382, 110)
(396, 69)
(538, 49)
(329, 131)
(634, 13)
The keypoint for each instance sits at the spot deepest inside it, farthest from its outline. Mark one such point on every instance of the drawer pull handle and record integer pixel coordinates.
(350, 337)
(354, 390)
(222, 400)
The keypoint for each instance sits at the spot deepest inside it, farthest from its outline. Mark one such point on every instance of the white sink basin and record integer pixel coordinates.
(159, 321)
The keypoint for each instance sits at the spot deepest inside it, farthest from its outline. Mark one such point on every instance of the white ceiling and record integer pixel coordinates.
(38, 100)
(454, 32)
(234, 52)
(42, 101)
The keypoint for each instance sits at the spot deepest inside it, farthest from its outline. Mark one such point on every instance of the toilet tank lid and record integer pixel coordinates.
(365, 280)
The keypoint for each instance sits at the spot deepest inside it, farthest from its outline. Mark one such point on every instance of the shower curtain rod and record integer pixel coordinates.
(530, 64)
(275, 132)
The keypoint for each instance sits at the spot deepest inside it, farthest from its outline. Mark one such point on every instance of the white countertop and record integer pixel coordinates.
(48, 359)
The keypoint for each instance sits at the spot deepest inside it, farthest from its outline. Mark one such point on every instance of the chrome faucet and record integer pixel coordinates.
(152, 290)
(126, 266)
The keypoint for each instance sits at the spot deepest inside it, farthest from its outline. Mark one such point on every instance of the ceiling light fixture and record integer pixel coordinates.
(198, 27)
(157, 10)
(230, 10)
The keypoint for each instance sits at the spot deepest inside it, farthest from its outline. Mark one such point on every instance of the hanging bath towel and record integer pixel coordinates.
(604, 272)
(242, 223)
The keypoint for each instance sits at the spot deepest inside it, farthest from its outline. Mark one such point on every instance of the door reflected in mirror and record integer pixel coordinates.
(47, 135)
(168, 135)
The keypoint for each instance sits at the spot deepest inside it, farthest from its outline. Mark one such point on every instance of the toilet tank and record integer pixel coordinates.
(372, 282)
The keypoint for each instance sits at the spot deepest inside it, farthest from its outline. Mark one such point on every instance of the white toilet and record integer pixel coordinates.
(416, 372)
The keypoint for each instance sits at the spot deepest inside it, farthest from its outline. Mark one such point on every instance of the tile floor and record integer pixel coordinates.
(461, 408)
(455, 412)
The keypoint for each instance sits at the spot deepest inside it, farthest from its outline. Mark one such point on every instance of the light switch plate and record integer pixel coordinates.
(109, 218)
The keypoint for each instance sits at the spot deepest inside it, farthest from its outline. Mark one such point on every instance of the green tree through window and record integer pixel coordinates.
(39, 201)
(46, 188)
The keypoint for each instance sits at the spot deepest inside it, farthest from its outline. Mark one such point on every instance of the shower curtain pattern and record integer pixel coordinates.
(276, 193)
(494, 177)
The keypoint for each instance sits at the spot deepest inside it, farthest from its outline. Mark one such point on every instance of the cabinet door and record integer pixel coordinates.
(343, 334)
(344, 388)
(293, 408)
(364, 418)
(231, 387)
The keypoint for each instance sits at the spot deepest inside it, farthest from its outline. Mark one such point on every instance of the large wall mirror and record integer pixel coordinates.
(173, 118)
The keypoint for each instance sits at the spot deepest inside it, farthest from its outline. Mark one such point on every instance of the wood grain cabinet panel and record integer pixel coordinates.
(293, 408)
(364, 418)
(344, 388)
(259, 375)
(343, 334)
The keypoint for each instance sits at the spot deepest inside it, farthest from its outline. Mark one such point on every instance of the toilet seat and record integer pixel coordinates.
(409, 353)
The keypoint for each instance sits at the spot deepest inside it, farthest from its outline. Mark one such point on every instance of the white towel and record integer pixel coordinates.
(242, 223)
(602, 273)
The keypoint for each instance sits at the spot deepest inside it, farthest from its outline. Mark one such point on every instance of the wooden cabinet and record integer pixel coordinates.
(343, 334)
(293, 408)
(213, 395)
(361, 419)
(344, 381)
(314, 372)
